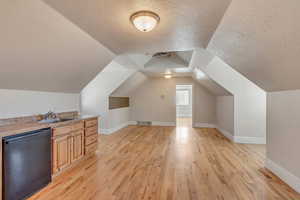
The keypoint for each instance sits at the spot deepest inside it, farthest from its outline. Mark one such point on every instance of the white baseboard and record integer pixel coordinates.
(104, 131)
(114, 129)
(182, 116)
(132, 123)
(249, 140)
(284, 175)
(204, 125)
(226, 133)
(156, 123)
(242, 140)
(236, 139)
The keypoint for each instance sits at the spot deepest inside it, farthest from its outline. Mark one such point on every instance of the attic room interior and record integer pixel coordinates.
(161, 100)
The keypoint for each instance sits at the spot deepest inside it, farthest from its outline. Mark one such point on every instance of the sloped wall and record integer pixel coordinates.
(94, 97)
(260, 39)
(41, 50)
(130, 85)
(249, 99)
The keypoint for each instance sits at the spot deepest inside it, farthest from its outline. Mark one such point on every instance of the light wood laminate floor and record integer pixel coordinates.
(184, 122)
(166, 163)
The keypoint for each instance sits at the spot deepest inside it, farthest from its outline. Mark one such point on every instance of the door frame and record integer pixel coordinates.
(192, 99)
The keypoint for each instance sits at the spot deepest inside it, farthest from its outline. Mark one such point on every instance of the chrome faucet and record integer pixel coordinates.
(50, 115)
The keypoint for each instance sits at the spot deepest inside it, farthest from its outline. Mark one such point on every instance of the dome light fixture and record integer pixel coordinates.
(144, 20)
(168, 76)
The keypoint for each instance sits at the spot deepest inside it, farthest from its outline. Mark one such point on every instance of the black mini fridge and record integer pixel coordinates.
(26, 163)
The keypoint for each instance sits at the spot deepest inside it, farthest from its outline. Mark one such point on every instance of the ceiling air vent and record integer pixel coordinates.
(163, 54)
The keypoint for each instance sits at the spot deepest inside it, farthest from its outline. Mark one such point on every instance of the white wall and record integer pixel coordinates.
(16, 103)
(117, 118)
(225, 114)
(185, 110)
(155, 100)
(249, 99)
(283, 138)
(94, 97)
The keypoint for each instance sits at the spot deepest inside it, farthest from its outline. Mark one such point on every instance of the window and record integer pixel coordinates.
(182, 98)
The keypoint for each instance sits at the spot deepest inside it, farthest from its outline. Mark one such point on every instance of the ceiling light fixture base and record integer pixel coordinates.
(144, 20)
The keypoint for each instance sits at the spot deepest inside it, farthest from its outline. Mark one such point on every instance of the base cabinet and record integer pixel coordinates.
(70, 143)
(61, 153)
(91, 136)
(77, 146)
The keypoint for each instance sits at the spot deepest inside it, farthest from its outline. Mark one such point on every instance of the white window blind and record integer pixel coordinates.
(182, 98)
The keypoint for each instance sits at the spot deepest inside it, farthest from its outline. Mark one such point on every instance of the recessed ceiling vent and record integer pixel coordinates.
(163, 54)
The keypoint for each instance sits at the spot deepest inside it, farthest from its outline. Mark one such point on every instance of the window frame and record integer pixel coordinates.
(188, 96)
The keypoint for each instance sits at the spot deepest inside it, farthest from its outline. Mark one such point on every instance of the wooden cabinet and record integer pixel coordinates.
(91, 135)
(61, 153)
(78, 126)
(59, 131)
(91, 148)
(91, 122)
(71, 142)
(67, 145)
(77, 145)
(91, 139)
(91, 131)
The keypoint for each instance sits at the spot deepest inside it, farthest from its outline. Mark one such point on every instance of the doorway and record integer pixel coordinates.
(184, 105)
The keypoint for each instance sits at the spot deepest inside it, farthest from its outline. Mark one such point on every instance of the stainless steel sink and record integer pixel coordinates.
(66, 119)
(55, 120)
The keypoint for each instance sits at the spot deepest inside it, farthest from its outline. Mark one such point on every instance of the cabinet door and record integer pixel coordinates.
(77, 145)
(61, 153)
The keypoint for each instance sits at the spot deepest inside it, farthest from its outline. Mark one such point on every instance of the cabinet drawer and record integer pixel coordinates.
(91, 131)
(91, 122)
(91, 139)
(62, 130)
(78, 132)
(78, 125)
(91, 148)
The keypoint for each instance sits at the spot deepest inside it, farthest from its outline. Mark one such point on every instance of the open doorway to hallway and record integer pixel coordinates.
(184, 105)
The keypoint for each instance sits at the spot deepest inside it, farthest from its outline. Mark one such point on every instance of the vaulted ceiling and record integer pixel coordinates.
(41, 50)
(261, 40)
(184, 25)
(175, 63)
(61, 45)
(209, 84)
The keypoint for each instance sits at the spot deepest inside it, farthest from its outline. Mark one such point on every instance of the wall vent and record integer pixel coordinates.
(144, 123)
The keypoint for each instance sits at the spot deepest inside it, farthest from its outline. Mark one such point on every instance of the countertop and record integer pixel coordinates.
(14, 129)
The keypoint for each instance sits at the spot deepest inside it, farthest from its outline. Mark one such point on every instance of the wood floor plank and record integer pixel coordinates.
(168, 163)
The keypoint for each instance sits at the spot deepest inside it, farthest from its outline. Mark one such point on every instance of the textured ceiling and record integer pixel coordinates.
(41, 50)
(137, 79)
(175, 63)
(212, 86)
(62, 49)
(130, 85)
(184, 25)
(261, 40)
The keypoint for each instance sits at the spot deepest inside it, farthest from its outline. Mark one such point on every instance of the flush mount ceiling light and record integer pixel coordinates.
(168, 76)
(144, 20)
